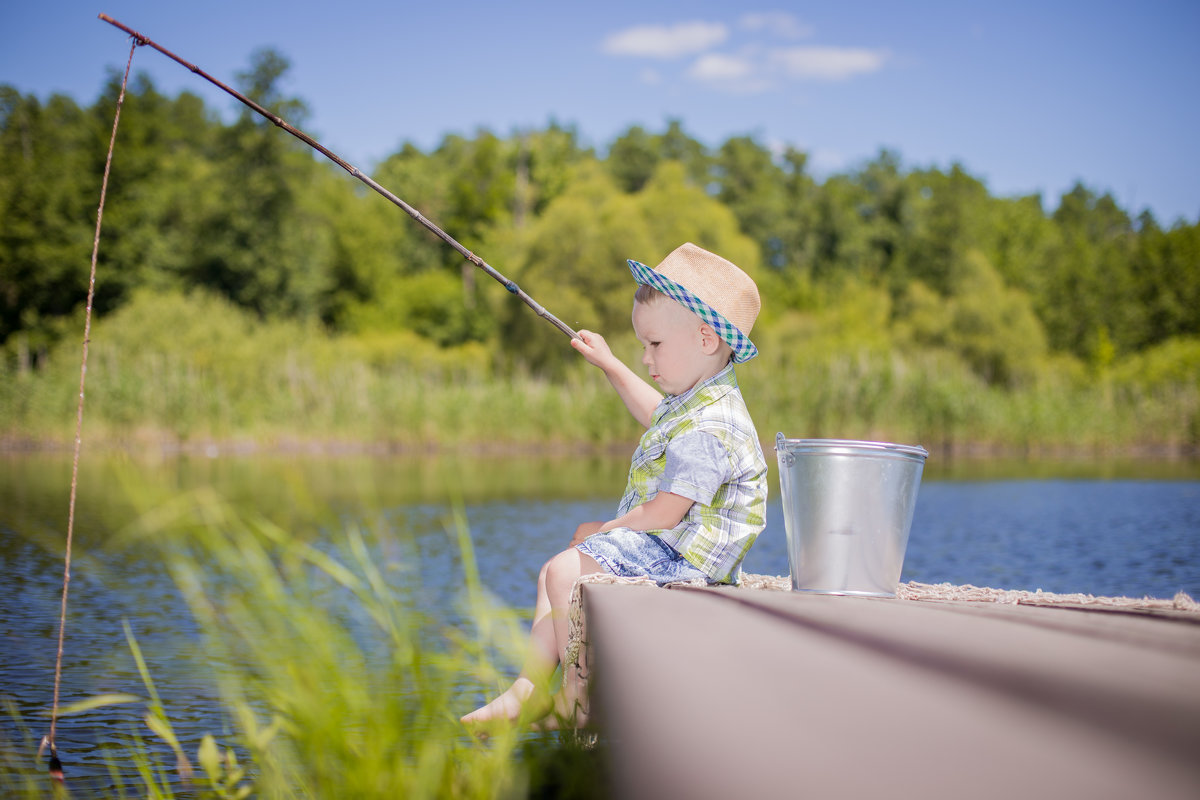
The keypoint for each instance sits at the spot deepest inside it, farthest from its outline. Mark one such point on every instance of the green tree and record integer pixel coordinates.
(754, 188)
(841, 241)
(418, 179)
(676, 211)
(571, 260)
(263, 247)
(949, 214)
(159, 189)
(992, 327)
(544, 162)
(792, 255)
(635, 155)
(1088, 303)
(1022, 241)
(675, 144)
(632, 158)
(49, 189)
(482, 181)
(1166, 271)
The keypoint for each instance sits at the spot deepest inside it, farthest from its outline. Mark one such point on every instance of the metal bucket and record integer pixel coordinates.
(848, 507)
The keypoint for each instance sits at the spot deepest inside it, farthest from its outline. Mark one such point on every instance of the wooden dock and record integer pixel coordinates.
(741, 693)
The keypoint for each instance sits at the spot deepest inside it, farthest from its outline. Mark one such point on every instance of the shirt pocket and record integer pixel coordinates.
(650, 460)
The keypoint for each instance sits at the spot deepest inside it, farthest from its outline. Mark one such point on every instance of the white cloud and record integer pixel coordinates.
(737, 74)
(719, 67)
(828, 63)
(666, 41)
(754, 66)
(779, 23)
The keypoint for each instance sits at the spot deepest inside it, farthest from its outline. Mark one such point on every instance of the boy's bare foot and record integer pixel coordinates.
(508, 707)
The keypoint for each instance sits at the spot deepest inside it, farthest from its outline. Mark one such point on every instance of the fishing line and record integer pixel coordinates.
(56, 769)
(49, 741)
(511, 286)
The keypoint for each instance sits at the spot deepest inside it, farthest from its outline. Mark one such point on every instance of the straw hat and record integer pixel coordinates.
(720, 293)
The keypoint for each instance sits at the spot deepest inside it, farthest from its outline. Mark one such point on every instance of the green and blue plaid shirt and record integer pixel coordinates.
(715, 536)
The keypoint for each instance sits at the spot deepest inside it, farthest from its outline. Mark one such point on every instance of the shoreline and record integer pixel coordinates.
(212, 447)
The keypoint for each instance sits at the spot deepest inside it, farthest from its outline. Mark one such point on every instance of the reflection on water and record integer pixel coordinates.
(1071, 531)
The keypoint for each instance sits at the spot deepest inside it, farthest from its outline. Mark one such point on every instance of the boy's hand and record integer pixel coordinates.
(639, 396)
(593, 348)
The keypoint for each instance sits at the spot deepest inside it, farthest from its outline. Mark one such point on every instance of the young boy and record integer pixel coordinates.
(696, 495)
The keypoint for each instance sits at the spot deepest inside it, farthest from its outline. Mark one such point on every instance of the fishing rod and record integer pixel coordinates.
(510, 285)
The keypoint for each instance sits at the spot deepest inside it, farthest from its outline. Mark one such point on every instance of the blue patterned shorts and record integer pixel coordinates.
(634, 554)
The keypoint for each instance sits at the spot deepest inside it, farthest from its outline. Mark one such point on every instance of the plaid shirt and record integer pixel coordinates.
(715, 537)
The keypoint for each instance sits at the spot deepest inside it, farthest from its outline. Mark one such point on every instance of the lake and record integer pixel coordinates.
(1112, 528)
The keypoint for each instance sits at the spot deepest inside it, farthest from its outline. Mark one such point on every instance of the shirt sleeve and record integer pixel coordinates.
(697, 465)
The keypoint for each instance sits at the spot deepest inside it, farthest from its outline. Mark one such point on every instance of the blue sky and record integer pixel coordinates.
(1029, 96)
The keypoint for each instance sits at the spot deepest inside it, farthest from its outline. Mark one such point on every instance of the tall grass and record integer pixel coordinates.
(335, 683)
(196, 369)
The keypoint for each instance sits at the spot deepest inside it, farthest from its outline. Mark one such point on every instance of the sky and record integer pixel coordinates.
(1029, 96)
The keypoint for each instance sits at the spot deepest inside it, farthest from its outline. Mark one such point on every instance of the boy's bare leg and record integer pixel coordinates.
(538, 667)
(548, 636)
(569, 704)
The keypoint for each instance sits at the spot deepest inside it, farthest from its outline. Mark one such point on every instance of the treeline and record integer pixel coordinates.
(920, 262)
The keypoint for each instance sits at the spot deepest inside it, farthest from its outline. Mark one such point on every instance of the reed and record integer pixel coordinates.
(195, 369)
(335, 684)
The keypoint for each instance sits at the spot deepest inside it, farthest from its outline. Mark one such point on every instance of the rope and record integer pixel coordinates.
(55, 764)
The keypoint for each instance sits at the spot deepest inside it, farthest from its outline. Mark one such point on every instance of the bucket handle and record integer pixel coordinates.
(786, 458)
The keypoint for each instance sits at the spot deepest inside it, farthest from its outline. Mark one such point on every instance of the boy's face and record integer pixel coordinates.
(672, 345)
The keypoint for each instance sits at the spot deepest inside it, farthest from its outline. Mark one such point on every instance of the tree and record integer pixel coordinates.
(1087, 301)
(635, 155)
(546, 159)
(753, 187)
(948, 216)
(841, 242)
(990, 326)
(48, 196)
(159, 188)
(675, 144)
(795, 254)
(1021, 242)
(632, 158)
(1166, 276)
(261, 246)
(676, 211)
(571, 260)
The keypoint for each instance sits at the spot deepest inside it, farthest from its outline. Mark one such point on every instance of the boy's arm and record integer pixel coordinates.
(639, 397)
(660, 513)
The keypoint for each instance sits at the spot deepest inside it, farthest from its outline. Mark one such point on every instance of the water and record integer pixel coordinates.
(1099, 530)
(1114, 537)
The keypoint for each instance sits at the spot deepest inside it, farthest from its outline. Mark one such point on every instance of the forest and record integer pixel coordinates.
(248, 289)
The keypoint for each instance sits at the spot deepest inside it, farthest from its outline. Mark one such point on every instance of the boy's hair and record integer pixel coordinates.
(648, 295)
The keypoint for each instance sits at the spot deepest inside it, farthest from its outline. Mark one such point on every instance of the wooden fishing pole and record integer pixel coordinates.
(335, 158)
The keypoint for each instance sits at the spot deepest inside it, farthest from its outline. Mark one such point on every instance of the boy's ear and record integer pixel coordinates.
(709, 340)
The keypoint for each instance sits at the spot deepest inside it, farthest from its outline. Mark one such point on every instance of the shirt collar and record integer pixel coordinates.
(723, 381)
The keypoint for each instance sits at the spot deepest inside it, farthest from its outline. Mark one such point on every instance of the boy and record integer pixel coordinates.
(696, 495)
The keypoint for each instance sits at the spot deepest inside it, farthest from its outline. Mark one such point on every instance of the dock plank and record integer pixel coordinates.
(723, 692)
